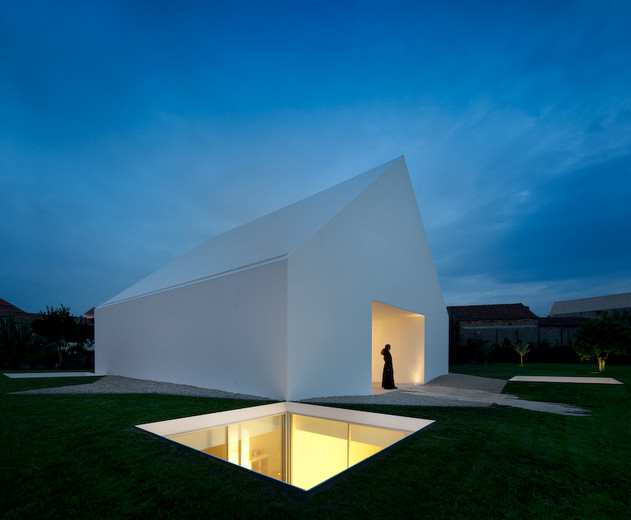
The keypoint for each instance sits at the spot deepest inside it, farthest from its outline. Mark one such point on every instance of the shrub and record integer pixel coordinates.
(16, 341)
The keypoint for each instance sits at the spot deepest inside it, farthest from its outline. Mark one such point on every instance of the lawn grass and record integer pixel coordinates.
(508, 370)
(80, 456)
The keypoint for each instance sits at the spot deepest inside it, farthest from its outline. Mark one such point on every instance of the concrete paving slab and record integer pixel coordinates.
(488, 398)
(35, 375)
(559, 379)
(539, 406)
(458, 394)
(433, 395)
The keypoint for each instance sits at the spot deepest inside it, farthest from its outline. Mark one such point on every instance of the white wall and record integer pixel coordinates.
(375, 249)
(227, 333)
(295, 328)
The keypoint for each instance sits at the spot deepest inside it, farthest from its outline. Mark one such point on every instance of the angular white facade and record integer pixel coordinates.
(295, 304)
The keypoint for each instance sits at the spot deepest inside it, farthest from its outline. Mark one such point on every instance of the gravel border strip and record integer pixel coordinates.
(126, 385)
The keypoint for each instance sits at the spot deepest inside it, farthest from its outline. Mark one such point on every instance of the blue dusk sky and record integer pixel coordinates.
(130, 132)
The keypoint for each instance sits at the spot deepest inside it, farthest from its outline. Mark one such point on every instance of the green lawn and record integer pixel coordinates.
(508, 370)
(80, 456)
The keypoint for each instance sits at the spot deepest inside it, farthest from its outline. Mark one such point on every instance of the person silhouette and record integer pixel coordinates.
(387, 380)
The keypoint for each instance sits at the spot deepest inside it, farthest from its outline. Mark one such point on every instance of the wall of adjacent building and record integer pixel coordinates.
(557, 336)
(495, 333)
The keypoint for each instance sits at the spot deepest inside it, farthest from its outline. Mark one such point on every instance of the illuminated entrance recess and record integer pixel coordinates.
(405, 331)
(299, 444)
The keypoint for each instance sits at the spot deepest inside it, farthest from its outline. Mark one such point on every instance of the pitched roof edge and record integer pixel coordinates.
(196, 281)
(354, 186)
(387, 167)
(491, 312)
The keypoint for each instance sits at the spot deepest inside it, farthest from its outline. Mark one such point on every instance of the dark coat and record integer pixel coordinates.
(387, 380)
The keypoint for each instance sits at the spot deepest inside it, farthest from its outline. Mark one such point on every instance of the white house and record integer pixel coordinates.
(295, 304)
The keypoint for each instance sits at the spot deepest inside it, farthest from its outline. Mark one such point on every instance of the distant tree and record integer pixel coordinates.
(480, 348)
(597, 339)
(522, 349)
(63, 330)
(16, 338)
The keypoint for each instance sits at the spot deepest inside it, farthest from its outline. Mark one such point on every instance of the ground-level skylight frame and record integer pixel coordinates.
(179, 430)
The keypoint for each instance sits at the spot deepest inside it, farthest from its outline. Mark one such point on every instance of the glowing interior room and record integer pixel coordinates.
(299, 444)
(292, 305)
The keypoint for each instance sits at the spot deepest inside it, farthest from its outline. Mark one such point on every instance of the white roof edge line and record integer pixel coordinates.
(198, 280)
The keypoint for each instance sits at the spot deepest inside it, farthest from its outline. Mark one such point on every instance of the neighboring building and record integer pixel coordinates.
(593, 307)
(559, 331)
(7, 308)
(503, 325)
(295, 304)
(492, 323)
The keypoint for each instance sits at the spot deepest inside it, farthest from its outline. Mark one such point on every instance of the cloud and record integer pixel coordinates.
(130, 135)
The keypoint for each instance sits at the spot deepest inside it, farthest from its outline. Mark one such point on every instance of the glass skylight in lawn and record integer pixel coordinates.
(299, 444)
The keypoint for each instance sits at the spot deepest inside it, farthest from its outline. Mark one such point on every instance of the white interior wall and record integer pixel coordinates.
(405, 332)
(227, 333)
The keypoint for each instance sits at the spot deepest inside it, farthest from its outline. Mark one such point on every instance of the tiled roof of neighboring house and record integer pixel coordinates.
(565, 321)
(89, 314)
(495, 312)
(7, 308)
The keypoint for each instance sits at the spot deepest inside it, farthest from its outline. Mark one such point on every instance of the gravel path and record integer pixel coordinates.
(127, 385)
(403, 396)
